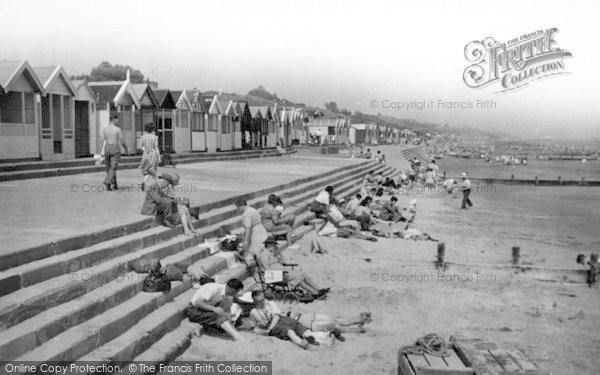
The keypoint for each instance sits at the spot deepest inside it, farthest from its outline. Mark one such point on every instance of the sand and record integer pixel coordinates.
(554, 323)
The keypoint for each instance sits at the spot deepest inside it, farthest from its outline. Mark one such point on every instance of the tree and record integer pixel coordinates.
(332, 106)
(108, 72)
(262, 92)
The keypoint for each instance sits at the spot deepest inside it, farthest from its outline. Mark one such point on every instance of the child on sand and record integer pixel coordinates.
(269, 321)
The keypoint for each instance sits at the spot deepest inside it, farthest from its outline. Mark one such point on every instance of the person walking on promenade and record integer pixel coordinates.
(111, 137)
(466, 190)
(151, 155)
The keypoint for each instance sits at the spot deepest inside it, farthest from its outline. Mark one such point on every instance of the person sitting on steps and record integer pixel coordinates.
(272, 259)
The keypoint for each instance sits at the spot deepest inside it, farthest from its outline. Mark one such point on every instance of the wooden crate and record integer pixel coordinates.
(425, 364)
(485, 358)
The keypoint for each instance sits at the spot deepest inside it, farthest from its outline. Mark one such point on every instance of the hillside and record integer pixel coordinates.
(262, 97)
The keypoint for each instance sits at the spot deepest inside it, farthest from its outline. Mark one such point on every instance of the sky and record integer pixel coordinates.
(364, 55)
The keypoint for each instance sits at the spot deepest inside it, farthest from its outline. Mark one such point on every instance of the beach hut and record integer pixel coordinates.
(237, 126)
(274, 131)
(256, 138)
(358, 134)
(285, 126)
(117, 97)
(58, 113)
(20, 133)
(228, 121)
(87, 134)
(198, 125)
(212, 118)
(246, 125)
(164, 120)
(147, 111)
(299, 119)
(183, 119)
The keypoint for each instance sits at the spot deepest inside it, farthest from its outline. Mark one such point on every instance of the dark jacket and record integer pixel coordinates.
(157, 199)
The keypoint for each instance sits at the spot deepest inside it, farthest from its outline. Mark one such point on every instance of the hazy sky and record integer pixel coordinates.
(351, 52)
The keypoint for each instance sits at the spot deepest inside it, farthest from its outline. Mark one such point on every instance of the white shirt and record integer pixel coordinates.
(323, 197)
(466, 184)
(211, 293)
(262, 317)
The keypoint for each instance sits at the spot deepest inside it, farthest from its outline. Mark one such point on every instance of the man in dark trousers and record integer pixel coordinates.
(160, 201)
(112, 137)
(466, 190)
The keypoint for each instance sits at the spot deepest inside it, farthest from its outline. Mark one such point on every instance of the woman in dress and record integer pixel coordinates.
(151, 155)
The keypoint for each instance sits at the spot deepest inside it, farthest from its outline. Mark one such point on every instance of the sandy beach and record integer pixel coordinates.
(554, 323)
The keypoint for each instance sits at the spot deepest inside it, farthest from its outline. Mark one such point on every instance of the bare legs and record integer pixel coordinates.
(231, 331)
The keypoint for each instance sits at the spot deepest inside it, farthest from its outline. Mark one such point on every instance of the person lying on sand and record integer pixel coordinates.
(324, 323)
(338, 225)
(400, 230)
(269, 321)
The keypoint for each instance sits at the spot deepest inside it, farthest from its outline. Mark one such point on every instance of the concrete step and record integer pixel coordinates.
(29, 301)
(36, 271)
(30, 333)
(24, 256)
(125, 159)
(90, 334)
(127, 164)
(122, 312)
(147, 331)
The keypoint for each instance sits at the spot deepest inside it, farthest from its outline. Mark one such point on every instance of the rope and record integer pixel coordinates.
(431, 344)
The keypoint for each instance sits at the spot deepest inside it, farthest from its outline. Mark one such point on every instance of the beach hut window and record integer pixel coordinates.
(67, 112)
(57, 116)
(11, 108)
(29, 108)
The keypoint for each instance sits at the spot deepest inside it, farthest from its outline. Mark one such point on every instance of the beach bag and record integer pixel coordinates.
(172, 272)
(146, 265)
(229, 244)
(156, 282)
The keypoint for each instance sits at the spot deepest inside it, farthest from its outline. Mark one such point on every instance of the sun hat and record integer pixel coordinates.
(174, 180)
(463, 175)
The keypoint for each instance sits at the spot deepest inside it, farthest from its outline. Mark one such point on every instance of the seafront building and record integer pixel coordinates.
(45, 115)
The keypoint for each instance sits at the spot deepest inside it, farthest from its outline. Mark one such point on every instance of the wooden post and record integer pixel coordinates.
(536, 180)
(559, 182)
(516, 250)
(441, 253)
(512, 176)
(582, 181)
(444, 176)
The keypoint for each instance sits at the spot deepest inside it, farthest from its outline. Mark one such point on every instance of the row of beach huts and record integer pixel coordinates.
(46, 115)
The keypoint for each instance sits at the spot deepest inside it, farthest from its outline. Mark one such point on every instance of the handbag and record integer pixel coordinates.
(229, 244)
(156, 282)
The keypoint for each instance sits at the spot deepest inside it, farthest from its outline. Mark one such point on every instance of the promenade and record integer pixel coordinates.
(39, 211)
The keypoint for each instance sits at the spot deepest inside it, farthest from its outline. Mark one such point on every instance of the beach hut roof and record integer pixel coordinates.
(213, 105)
(49, 74)
(164, 98)
(114, 91)
(83, 83)
(142, 89)
(10, 71)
